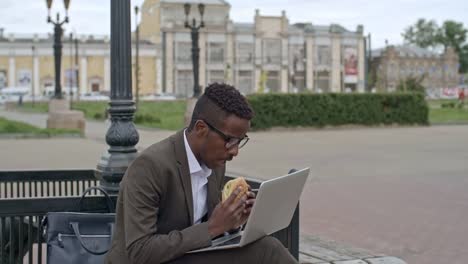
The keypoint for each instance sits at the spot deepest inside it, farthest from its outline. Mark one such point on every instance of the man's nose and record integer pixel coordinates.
(234, 150)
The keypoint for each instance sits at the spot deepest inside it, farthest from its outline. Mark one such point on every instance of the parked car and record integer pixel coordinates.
(159, 97)
(94, 96)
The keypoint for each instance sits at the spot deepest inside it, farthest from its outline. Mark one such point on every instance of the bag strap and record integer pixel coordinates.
(76, 230)
(110, 204)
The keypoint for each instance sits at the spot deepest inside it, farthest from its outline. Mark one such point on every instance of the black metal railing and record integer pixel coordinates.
(26, 196)
(55, 183)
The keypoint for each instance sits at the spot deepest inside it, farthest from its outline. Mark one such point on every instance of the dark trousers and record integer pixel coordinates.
(267, 250)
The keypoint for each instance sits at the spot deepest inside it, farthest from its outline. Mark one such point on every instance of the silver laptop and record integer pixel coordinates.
(273, 210)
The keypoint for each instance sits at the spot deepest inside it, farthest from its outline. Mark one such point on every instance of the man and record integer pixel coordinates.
(169, 199)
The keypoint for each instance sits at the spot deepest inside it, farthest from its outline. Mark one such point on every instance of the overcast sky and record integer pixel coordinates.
(383, 19)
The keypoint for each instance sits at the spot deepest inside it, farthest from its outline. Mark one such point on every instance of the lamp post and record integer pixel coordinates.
(137, 63)
(58, 32)
(33, 49)
(194, 28)
(122, 135)
(71, 72)
(77, 71)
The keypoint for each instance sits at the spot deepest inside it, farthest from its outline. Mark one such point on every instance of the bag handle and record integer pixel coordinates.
(110, 204)
(76, 230)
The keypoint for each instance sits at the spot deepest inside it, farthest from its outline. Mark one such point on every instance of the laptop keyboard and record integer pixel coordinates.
(233, 241)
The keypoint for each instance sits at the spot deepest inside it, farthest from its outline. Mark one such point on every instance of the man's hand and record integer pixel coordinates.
(230, 213)
(248, 205)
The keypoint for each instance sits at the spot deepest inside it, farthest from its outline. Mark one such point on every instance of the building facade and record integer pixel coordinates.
(393, 64)
(28, 61)
(269, 54)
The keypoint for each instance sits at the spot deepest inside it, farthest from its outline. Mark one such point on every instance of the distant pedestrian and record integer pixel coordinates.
(461, 96)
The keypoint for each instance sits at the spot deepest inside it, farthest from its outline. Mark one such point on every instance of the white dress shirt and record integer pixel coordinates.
(199, 177)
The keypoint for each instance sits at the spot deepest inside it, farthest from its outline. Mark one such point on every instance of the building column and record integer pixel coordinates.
(258, 63)
(158, 84)
(203, 61)
(309, 72)
(106, 73)
(36, 75)
(84, 75)
(284, 66)
(284, 80)
(170, 62)
(230, 59)
(361, 66)
(336, 65)
(12, 72)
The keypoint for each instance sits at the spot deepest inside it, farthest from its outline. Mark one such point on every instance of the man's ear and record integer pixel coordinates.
(200, 128)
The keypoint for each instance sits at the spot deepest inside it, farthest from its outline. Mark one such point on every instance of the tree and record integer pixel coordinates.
(262, 81)
(412, 84)
(463, 58)
(423, 33)
(427, 34)
(452, 34)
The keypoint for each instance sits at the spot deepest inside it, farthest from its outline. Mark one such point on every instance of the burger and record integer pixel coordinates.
(232, 185)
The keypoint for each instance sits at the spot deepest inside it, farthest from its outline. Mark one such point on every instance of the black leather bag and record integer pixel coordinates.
(78, 237)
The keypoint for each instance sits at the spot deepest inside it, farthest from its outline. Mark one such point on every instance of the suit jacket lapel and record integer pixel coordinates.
(184, 172)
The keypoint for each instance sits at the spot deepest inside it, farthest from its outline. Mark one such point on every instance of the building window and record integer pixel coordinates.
(183, 52)
(322, 81)
(245, 52)
(216, 76)
(273, 81)
(245, 82)
(184, 87)
(272, 51)
(323, 56)
(3, 79)
(216, 53)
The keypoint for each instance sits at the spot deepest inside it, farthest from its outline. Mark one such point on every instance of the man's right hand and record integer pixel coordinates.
(227, 215)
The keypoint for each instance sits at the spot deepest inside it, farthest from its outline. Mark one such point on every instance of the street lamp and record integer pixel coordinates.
(33, 51)
(71, 73)
(58, 31)
(195, 49)
(137, 63)
(122, 135)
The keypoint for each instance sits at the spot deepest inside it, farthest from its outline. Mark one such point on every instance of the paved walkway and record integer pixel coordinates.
(398, 191)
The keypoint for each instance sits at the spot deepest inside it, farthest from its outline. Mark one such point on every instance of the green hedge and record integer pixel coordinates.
(318, 110)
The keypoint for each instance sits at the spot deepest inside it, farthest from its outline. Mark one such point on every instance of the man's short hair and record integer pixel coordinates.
(219, 101)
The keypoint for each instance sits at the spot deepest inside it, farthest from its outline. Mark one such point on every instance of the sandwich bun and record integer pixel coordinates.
(232, 185)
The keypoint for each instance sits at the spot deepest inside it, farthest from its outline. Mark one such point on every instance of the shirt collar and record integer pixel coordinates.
(194, 166)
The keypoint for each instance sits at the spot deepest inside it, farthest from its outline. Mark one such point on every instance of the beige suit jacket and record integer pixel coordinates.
(154, 217)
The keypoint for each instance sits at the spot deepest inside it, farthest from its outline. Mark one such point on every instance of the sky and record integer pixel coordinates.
(383, 19)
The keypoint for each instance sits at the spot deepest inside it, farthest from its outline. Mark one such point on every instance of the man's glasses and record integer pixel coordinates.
(230, 141)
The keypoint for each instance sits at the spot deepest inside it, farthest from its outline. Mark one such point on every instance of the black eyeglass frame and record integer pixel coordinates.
(230, 140)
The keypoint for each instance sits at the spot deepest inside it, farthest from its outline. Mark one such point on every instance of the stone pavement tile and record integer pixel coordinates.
(356, 261)
(330, 250)
(306, 259)
(385, 260)
(50, 154)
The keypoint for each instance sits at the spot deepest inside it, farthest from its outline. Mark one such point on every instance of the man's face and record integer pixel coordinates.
(215, 149)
